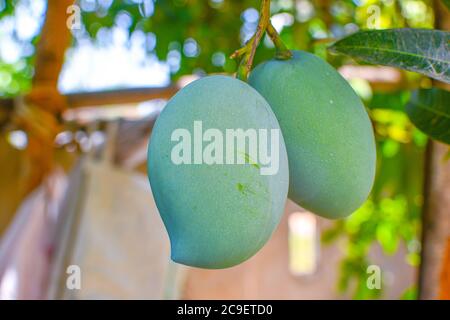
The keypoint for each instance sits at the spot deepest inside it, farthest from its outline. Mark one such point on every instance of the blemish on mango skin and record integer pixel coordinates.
(249, 160)
(256, 165)
(244, 188)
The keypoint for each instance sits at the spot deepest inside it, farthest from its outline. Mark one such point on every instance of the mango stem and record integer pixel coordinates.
(247, 52)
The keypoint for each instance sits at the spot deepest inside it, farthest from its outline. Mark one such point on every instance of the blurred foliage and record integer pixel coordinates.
(391, 217)
(446, 3)
(17, 48)
(14, 78)
(197, 36)
(410, 294)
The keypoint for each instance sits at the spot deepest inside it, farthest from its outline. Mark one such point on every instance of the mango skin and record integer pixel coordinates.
(328, 134)
(217, 216)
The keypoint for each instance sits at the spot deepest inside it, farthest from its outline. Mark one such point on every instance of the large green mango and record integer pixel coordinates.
(328, 134)
(217, 215)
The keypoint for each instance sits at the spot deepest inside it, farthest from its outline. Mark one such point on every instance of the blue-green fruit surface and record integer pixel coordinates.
(328, 134)
(216, 215)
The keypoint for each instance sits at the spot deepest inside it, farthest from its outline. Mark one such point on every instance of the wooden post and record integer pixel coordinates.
(39, 114)
(436, 223)
(434, 279)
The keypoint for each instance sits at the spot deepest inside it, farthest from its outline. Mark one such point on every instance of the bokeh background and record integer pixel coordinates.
(76, 89)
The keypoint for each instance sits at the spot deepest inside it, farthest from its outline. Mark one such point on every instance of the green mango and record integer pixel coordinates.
(217, 214)
(328, 134)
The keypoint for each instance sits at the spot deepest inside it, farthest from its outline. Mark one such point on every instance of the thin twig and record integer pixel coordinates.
(247, 52)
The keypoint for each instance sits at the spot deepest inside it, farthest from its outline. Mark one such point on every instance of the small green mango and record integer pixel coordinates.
(328, 134)
(217, 214)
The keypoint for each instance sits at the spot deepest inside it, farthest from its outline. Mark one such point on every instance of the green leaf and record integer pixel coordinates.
(419, 50)
(429, 110)
(396, 100)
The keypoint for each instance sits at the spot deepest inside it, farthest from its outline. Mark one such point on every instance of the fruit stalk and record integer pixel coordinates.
(283, 53)
(247, 52)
